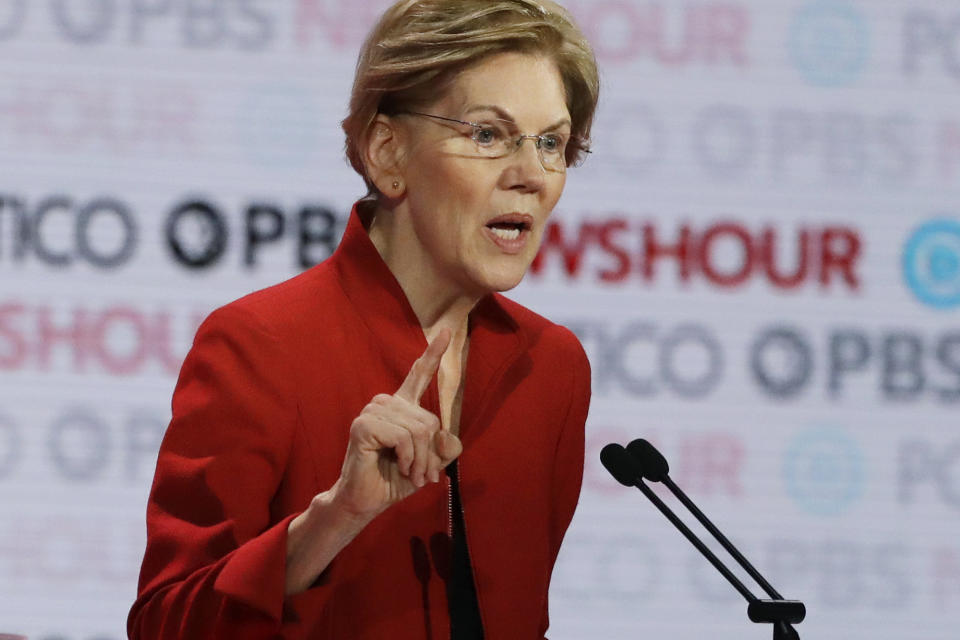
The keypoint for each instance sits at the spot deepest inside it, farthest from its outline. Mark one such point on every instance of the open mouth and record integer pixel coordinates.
(511, 226)
(507, 231)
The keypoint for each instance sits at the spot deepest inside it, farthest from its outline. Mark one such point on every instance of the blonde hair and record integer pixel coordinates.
(418, 46)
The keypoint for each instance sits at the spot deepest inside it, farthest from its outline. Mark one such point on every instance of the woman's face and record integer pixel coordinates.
(465, 210)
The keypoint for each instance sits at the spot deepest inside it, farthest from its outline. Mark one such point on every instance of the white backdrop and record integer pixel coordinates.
(762, 259)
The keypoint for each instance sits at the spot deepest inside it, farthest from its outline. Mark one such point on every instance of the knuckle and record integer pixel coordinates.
(417, 430)
(359, 425)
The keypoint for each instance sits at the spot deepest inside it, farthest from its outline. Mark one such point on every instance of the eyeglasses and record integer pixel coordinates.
(493, 140)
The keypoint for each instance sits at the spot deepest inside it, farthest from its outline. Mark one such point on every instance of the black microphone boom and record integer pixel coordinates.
(640, 460)
(627, 471)
(648, 457)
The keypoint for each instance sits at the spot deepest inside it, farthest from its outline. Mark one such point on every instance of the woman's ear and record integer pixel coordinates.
(383, 156)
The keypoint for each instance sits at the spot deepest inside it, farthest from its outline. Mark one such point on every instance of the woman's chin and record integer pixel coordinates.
(480, 277)
(503, 280)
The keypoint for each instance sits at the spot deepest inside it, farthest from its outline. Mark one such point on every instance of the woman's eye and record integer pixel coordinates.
(552, 143)
(487, 135)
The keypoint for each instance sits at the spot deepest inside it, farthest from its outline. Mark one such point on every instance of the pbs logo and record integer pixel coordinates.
(824, 471)
(931, 263)
(829, 43)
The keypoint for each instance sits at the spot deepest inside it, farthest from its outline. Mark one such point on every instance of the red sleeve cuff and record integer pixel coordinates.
(256, 572)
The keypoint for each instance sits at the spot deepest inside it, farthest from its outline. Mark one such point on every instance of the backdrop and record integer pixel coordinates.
(762, 259)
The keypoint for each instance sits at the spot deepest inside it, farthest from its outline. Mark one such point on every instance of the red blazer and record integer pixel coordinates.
(261, 418)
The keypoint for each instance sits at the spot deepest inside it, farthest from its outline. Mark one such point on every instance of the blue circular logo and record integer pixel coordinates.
(823, 471)
(829, 42)
(931, 263)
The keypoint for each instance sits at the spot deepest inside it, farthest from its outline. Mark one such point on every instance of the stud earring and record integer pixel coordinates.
(396, 185)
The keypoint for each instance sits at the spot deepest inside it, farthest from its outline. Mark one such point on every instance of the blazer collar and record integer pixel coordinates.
(373, 290)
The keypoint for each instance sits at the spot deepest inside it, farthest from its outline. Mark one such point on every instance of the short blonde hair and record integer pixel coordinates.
(418, 46)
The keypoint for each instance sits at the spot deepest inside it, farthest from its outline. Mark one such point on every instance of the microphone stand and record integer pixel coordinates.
(639, 461)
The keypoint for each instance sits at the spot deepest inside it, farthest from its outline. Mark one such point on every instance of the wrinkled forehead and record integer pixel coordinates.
(523, 88)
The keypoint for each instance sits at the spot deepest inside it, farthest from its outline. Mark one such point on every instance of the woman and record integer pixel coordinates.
(303, 488)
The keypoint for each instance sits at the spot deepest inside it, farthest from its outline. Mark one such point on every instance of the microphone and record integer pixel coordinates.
(641, 461)
(652, 463)
(628, 471)
(622, 466)
(654, 468)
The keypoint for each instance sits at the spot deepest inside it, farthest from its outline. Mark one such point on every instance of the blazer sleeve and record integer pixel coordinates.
(568, 458)
(215, 563)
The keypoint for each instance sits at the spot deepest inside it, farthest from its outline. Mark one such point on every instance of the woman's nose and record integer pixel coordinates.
(527, 172)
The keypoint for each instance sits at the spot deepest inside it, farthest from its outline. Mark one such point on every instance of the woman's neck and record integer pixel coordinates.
(435, 298)
(437, 302)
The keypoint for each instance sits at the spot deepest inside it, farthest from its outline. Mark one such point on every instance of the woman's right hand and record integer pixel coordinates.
(396, 446)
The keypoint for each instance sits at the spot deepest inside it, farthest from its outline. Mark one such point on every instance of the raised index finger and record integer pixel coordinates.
(424, 368)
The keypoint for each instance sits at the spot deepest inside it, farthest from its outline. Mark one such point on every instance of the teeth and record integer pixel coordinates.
(507, 234)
